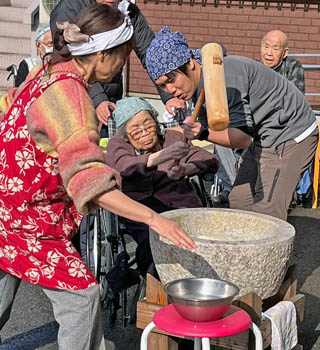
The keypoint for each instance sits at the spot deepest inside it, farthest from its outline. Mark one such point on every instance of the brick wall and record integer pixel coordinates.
(239, 29)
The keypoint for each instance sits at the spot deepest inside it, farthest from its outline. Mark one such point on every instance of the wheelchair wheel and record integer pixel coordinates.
(93, 244)
(97, 246)
(108, 249)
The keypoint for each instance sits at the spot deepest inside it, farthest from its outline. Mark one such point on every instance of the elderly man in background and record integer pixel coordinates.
(274, 54)
(44, 45)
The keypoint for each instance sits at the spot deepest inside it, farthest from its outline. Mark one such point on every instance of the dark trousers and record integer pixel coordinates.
(268, 177)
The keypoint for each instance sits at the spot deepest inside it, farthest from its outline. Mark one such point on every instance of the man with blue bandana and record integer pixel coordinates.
(268, 115)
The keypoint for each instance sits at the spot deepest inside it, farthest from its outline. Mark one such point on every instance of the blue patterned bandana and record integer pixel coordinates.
(167, 52)
(128, 107)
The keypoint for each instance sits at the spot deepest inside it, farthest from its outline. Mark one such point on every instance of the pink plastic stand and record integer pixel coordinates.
(233, 322)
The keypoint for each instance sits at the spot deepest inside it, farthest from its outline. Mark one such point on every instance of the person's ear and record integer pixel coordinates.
(285, 53)
(191, 64)
(38, 46)
(101, 56)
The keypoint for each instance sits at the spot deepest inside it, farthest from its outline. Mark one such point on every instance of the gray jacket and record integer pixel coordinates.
(292, 69)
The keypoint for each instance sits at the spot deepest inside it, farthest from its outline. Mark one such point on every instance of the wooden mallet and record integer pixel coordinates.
(214, 92)
(215, 87)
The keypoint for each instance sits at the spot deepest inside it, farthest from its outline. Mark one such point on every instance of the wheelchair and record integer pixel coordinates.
(107, 256)
(108, 259)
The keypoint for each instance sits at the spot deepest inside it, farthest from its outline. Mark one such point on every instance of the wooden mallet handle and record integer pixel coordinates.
(197, 107)
(193, 117)
(215, 87)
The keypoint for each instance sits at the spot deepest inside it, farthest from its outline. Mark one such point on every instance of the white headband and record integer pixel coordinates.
(104, 41)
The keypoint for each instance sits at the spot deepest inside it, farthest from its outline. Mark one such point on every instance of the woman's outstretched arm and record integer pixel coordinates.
(120, 204)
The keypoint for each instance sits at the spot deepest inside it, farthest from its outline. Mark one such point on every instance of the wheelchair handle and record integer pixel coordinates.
(13, 71)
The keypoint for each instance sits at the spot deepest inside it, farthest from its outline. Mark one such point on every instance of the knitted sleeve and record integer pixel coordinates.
(62, 122)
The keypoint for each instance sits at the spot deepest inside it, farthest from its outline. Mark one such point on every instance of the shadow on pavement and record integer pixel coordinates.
(32, 339)
(308, 333)
(306, 245)
(307, 258)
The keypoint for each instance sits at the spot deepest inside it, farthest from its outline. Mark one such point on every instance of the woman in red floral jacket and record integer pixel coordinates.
(52, 172)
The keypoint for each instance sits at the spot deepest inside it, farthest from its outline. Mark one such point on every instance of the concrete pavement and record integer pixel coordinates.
(32, 325)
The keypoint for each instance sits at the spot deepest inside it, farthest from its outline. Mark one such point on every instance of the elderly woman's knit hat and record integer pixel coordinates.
(128, 107)
(167, 52)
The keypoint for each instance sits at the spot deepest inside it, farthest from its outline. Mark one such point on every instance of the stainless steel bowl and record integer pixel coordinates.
(201, 299)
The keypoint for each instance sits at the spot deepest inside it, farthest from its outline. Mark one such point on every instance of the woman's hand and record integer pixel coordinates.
(172, 231)
(176, 172)
(191, 130)
(120, 204)
(174, 152)
(177, 151)
(173, 104)
(104, 111)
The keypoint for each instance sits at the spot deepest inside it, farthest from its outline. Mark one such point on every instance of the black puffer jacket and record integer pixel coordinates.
(67, 10)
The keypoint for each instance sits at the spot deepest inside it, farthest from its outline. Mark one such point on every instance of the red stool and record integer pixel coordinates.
(233, 322)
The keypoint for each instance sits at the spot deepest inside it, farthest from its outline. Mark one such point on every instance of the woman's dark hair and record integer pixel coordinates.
(95, 19)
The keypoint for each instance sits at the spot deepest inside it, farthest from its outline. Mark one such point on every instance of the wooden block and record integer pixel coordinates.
(299, 301)
(298, 347)
(236, 342)
(292, 277)
(161, 342)
(252, 304)
(154, 292)
(145, 313)
(265, 328)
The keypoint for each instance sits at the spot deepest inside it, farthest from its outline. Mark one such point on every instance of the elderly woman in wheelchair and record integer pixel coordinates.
(147, 155)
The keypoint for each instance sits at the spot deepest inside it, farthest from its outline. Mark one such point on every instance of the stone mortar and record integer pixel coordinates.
(248, 249)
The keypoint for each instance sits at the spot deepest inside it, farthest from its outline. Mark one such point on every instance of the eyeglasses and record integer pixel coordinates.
(148, 127)
(275, 48)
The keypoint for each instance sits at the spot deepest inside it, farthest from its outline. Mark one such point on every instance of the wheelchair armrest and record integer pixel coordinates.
(206, 176)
